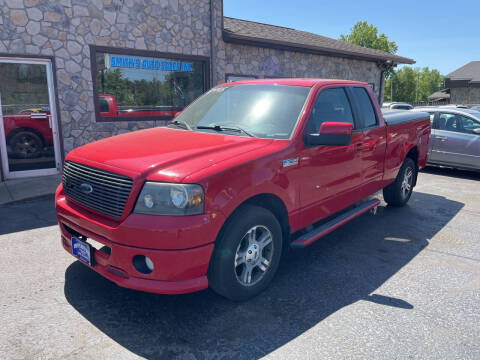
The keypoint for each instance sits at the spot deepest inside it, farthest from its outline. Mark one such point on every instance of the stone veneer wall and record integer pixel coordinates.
(65, 29)
(240, 59)
(266, 62)
(465, 95)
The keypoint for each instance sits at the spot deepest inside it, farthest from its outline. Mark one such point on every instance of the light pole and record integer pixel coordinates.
(391, 89)
(418, 80)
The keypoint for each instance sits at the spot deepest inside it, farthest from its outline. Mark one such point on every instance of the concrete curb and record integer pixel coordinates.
(28, 189)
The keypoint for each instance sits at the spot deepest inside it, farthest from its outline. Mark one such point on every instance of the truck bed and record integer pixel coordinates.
(395, 117)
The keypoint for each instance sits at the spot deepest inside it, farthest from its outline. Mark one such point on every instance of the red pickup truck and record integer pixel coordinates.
(245, 172)
(110, 110)
(28, 132)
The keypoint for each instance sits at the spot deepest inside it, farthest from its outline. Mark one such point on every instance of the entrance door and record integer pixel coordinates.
(28, 122)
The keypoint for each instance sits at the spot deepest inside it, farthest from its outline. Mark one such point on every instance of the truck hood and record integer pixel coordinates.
(163, 153)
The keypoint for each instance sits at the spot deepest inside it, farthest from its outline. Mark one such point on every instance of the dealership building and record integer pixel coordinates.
(463, 84)
(73, 71)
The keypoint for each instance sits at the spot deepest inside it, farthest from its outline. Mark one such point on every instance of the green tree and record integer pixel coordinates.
(405, 81)
(113, 83)
(366, 35)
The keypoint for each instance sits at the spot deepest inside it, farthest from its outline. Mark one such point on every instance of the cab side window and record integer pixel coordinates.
(457, 123)
(468, 125)
(104, 108)
(332, 105)
(365, 107)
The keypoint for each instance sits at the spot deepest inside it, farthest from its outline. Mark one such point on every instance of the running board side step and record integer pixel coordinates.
(324, 229)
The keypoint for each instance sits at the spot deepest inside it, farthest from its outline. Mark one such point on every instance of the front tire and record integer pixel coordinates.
(247, 254)
(398, 193)
(25, 145)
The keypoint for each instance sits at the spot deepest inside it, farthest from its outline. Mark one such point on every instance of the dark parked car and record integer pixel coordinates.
(396, 106)
(455, 137)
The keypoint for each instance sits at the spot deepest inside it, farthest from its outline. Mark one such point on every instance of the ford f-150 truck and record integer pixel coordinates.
(245, 172)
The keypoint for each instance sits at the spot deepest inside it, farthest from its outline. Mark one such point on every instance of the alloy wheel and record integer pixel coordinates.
(254, 255)
(407, 182)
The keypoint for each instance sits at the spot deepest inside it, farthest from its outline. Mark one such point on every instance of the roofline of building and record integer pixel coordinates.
(452, 76)
(310, 49)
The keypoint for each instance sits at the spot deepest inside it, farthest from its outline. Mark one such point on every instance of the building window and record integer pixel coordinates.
(142, 85)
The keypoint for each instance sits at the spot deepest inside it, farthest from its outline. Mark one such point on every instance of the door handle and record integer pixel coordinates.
(442, 138)
(370, 144)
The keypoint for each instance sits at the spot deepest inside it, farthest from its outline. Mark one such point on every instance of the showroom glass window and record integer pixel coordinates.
(131, 87)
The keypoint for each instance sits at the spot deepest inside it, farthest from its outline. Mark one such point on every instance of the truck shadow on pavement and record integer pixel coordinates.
(346, 266)
(454, 173)
(27, 215)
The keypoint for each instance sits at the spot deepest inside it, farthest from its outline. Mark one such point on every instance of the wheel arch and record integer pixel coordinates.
(270, 202)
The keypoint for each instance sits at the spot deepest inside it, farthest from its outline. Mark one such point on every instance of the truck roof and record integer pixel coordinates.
(295, 82)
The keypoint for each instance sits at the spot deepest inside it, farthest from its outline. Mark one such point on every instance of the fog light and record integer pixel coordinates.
(142, 264)
(149, 263)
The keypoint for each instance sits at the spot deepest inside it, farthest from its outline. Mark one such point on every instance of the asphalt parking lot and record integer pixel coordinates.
(404, 283)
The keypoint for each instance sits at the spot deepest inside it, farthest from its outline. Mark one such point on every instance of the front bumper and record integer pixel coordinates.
(176, 271)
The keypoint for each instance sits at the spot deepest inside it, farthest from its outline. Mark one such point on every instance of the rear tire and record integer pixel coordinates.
(398, 193)
(247, 254)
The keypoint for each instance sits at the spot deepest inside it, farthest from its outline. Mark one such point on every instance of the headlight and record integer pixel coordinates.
(170, 199)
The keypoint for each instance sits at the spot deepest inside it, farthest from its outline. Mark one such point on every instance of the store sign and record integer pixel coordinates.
(130, 62)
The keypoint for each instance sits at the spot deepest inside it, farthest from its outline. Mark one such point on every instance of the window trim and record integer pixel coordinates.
(358, 114)
(146, 53)
(314, 101)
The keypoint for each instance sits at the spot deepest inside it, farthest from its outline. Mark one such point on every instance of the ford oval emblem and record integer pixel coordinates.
(86, 188)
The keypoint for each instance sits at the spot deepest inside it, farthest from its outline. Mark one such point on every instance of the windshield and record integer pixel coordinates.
(475, 114)
(264, 111)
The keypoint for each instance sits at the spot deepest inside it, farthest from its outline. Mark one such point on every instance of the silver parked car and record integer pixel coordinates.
(455, 137)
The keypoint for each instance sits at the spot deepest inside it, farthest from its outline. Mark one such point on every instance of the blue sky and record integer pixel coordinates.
(439, 34)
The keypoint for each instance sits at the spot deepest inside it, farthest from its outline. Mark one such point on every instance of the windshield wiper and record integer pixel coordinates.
(226, 128)
(181, 124)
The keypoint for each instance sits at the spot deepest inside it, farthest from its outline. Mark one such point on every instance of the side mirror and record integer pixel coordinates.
(332, 133)
(476, 131)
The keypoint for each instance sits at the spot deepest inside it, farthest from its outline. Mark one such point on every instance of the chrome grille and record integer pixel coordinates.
(96, 189)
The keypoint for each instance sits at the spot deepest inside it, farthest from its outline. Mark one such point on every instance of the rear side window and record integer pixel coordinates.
(365, 106)
(448, 122)
(104, 105)
(332, 105)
